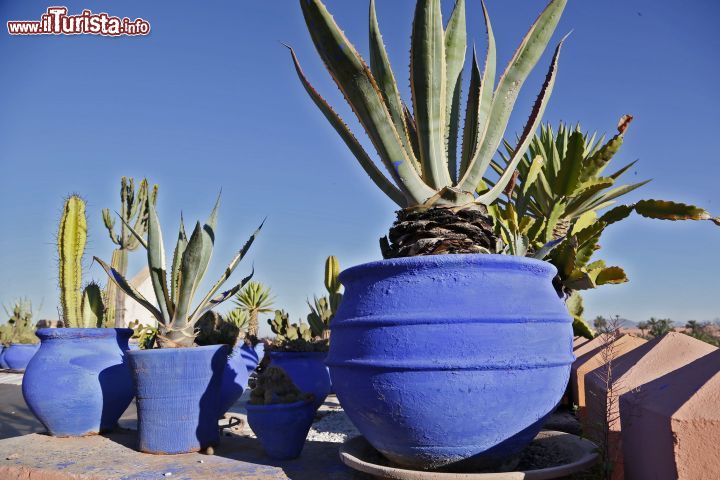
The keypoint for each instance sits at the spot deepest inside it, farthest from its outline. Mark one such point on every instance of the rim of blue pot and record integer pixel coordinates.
(297, 354)
(169, 351)
(23, 345)
(48, 333)
(487, 260)
(279, 406)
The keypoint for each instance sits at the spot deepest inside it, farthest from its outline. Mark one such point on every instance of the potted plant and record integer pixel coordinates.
(18, 337)
(178, 383)
(447, 353)
(279, 414)
(254, 299)
(563, 194)
(78, 383)
(300, 350)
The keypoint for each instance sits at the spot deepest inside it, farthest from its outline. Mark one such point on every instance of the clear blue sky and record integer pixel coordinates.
(210, 100)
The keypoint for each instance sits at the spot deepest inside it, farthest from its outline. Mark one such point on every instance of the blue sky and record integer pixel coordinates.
(209, 100)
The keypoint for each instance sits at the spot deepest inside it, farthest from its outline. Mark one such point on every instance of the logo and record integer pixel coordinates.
(56, 21)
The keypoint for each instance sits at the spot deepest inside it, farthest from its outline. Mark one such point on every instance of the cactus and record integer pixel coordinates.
(255, 299)
(323, 309)
(144, 334)
(175, 293)
(273, 386)
(419, 147)
(214, 329)
(20, 327)
(133, 211)
(293, 337)
(81, 308)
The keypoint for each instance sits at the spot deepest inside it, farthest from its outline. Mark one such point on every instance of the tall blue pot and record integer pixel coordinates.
(18, 355)
(178, 397)
(250, 357)
(235, 379)
(307, 370)
(2, 357)
(79, 383)
(450, 360)
(281, 429)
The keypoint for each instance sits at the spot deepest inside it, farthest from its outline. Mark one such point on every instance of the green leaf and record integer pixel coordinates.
(624, 169)
(428, 82)
(177, 257)
(583, 221)
(569, 174)
(93, 309)
(611, 275)
(555, 215)
(535, 168)
(617, 214)
(455, 50)
(667, 210)
(594, 165)
(472, 119)
(190, 268)
(350, 140)
(156, 262)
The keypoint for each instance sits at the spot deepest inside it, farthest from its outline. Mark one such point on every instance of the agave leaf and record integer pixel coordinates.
(125, 286)
(190, 267)
(413, 134)
(455, 50)
(611, 275)
(224, 296)
(180, 246)
(524, 60)
(428, 82)
(382, 71)
(569, 174)
(226, 274)
(624, 169)
(532, 175)
(587, 194)
(350, 140)
(552, 220)
(618, 192)
(546, 249)
(355, 80)
(527, 135)
(139, 237)
(208, 243)
(156, 262)
(584, 221)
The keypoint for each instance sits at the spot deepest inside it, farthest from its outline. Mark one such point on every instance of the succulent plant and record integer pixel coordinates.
(273, 386)
(214, 329)
(293, 337)
(144, 334)
(20, 327)
(133, 211)
(558, 208)
(323, 309)
(431, 163)
(81, 308)
(175, 293)
(255, 298)
(240, 318)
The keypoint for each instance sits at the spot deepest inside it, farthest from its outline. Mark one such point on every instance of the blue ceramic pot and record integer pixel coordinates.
(18, 355)
(79, 383)
(260, 351)
(450, 360)
(281, 429)
(234, 381)
(307, 370)
(250, 357)
(2, 357)
(178, 397)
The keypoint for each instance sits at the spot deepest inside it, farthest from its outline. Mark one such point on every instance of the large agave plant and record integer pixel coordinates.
(430, 159)
(175, 315)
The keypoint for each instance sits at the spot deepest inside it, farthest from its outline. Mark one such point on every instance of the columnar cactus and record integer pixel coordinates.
(133, 211)
(175, 292)
(80, 308)
(323, 309)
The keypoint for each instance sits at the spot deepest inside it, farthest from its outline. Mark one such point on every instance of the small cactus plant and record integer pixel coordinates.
(293, 337)
(175, 291)
(133, 211)
(323, 309)
(81, 308)
(19, 327)
(273, 386)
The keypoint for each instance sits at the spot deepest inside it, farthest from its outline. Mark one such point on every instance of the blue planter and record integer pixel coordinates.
(18, 355)
(450, 360)
(250, 357)
(79, 383)
(307, 370)
(178, 397)
(260, 351)
(281, 429)
(2, 357)
(234, 381)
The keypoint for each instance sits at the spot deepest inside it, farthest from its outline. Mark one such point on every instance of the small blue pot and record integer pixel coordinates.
(2, 357)
(18, 355)
(260, 351)
(178, 397)
(450, 360)
(307, 370)
(234, 381)
(79, 381)
(250, 357)
(281, 429)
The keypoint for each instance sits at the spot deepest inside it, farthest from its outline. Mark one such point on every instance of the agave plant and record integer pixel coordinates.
(255, 299)
(174, 313)
(434, 168)
(561, 198)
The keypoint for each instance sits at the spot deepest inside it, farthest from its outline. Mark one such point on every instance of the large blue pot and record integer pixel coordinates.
(450, 360)
(234, 381)
(307, 370)
(249, 356)
(79, 383)
(2, 357)
(281, 429)
(18, 355)
(178, 397)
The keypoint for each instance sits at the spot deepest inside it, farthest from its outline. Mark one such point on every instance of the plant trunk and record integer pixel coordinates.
(253, 326)
(115, 298)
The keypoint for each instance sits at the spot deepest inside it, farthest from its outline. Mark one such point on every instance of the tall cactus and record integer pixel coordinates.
(323, 309)
(133, 211)
(80, 308)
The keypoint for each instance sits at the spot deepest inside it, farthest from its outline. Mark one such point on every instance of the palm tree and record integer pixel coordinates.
(255, 299)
